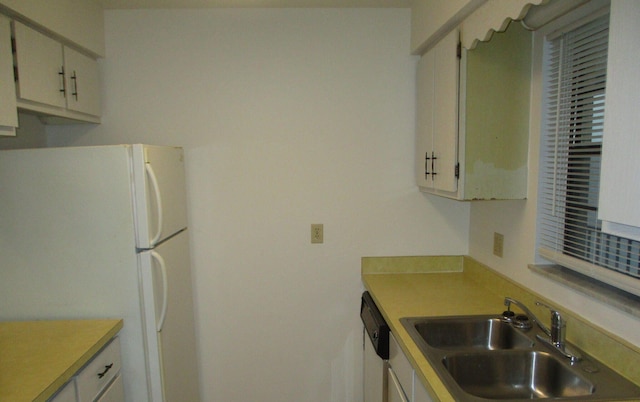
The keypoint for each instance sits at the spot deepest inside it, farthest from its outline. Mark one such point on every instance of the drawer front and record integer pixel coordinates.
(99, 372)
(115, 391)
(66, 393)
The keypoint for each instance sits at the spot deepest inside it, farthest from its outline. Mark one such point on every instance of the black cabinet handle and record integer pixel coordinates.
(63, 86)
(426, 165)
(433, 162)
(106, 370)
(74, 78)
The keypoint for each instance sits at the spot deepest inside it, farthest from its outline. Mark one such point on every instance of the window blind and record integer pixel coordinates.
(569, 232)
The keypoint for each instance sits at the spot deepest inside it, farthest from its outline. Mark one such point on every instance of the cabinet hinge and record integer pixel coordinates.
(457, 170)
(459, 50)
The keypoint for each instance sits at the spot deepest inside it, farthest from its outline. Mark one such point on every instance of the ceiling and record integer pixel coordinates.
(132, 4)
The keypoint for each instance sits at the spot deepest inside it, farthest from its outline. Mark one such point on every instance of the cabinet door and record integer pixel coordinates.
(620, 171)
(400, 373)
(424, 123)
(396, 393)
(420, 393)
(437, 117)
(82, 82)
(114, 393)
(445, 112)
(8, 108)
(66, 393)
(40, 67)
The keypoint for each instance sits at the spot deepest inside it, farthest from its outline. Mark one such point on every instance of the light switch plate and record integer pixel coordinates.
(317, 233)
(498, 244)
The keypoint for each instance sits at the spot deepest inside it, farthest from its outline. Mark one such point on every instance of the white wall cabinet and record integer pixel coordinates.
(77, 22)
(620, 170)
(53, 79)
(8, 108)
(437, 112)
(431, 20)
(82, 82)
(478, 126)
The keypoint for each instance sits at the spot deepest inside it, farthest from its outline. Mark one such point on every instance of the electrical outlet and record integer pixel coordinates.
(317, 233)
(498, 244)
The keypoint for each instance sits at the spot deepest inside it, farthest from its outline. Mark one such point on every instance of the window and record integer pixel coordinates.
(569, 234)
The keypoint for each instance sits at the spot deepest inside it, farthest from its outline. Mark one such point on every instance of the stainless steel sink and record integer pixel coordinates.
(481, 358)
(516, 374)
(471, 332)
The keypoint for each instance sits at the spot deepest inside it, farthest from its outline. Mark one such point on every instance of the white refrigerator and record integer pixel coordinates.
(101, 232)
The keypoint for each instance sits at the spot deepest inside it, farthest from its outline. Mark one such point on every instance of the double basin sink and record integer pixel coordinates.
(484, 357)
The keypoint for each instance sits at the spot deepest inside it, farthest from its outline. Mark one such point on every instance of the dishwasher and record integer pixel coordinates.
(375, 337)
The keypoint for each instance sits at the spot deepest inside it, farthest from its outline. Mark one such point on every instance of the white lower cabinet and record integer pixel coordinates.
(420, 393)
(404, 385)
(115, 391)
(99, 380)
(66, 394)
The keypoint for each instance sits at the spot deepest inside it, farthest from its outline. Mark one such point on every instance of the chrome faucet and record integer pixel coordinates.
(555, 336)
(558, 327)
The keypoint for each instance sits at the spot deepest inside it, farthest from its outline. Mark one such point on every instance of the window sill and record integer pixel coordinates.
(602, 292)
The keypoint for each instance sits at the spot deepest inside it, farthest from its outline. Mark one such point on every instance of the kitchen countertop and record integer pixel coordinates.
(442, 286)
(39, 357)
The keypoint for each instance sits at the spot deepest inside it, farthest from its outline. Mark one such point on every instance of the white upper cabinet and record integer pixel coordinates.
(56, 44)
(437, 114)
(82, 82)
(620, 170)
(8, 109)
(53, 79)
(495, 16)
(40, 67)
(432, 20)
(79, 22)
(473, 118)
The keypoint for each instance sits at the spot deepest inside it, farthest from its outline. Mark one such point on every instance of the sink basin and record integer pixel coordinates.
(516, 375)
(470, 332)
(481, 358)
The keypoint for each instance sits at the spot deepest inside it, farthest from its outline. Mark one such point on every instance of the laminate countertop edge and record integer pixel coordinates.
(39, 357)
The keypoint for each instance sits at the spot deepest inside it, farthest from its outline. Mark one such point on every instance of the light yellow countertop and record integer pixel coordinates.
(38, 357)
(441, 286)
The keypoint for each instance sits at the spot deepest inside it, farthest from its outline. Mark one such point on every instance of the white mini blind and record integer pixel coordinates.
(569, 231)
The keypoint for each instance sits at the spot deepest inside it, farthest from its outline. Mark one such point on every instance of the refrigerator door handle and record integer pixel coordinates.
(165, 289)
(156, 189)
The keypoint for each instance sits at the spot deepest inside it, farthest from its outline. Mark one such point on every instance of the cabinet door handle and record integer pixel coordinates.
(74, 90)
(426, 165)
(63, 85)
(106, 370)
(433, 164)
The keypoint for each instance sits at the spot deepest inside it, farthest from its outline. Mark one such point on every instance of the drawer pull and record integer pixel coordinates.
(106, 369)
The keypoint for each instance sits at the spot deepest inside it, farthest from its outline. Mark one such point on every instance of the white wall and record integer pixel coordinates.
(31, 134)
(288, 117)
(516, 220)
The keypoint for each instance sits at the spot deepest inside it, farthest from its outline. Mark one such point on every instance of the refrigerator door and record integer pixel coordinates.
(169, 321)
(159, 192)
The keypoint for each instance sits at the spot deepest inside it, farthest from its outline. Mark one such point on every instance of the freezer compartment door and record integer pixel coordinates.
(160, 193)
(169, 321)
